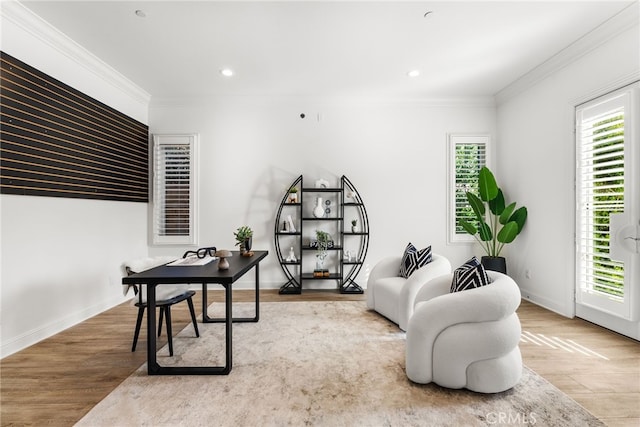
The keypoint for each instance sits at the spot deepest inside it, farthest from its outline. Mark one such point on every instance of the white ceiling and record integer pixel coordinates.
(329, 48)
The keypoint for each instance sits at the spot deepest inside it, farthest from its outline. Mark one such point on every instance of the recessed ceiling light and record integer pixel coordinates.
(413, 73)
(141, 14)
(227, 72)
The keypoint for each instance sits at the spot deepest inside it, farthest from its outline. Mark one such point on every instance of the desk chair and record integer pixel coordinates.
(166, 296)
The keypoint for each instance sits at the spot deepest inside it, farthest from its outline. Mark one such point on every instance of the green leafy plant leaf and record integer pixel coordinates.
(468, 227)
(519, 217)
(485, 232)
(506, 213)
(496, 205)
(508, 233)
(476, 205)
(488, 188)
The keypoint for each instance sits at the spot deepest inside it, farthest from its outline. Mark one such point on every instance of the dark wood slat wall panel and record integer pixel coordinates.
(57, 141)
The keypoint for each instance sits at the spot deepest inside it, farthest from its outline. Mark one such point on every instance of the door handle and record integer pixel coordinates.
(624, 236)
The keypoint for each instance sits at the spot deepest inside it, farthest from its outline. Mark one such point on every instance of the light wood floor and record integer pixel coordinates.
(58, 380)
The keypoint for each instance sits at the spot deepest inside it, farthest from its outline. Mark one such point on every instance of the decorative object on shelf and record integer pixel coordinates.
(292, 256)
(293, 195)
(292, 228)
(323, 239)
(313, 243)
(322, 183)
(244, 237)
(347, 256)
(508, 218)
(354, 225)
(284, 227)
(350, 197)
(223, 254)
(318, 211)
(321, 273)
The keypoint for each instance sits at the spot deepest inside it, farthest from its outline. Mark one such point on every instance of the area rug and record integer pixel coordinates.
(317, 364)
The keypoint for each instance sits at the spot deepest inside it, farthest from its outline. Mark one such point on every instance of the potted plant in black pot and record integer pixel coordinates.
(497, 222)
(244, 237)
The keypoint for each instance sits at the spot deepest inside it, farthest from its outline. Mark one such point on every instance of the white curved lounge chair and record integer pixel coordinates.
(392, 295)
(467, 339)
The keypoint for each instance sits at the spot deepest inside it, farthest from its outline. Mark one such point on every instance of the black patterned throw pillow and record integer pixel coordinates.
(469, 275)
(413, 259)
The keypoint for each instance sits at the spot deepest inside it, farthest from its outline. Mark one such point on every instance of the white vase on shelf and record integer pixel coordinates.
(318, 211)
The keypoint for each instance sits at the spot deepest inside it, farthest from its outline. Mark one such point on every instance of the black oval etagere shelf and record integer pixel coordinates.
(342, 270)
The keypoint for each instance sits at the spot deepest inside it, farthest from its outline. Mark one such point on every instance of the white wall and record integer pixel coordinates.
(395, 153)
(536, 155)
(60, 258)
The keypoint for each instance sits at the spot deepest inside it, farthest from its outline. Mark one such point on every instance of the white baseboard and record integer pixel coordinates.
(45, 331)
(550, 305)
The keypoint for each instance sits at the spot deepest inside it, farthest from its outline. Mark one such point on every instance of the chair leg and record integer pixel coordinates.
(193, 316)
(160, 320)
(137, 332)
(169, 333)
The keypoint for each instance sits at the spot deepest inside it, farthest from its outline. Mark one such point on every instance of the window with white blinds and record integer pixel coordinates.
(468, 154)
(174, 189)
(600, 193)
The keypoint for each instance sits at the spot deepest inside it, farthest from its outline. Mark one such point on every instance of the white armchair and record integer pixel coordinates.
(467, 339)
(392, 295)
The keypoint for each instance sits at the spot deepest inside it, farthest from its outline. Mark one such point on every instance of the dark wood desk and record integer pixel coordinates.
(206, 274)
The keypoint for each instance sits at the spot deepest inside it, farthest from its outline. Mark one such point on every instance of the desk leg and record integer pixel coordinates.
(205, 304)
(255, 319)
(152, 364)
(153, 368)
(228, 325)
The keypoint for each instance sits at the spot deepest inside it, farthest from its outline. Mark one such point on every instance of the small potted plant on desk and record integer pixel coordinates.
(244, 239)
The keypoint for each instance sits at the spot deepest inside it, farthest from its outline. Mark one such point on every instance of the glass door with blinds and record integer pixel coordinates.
(608, 206)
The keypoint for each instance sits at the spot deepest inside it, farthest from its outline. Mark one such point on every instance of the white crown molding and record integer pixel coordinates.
(619, 23)
(199, 101)
(615, 84)
(24, 18)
